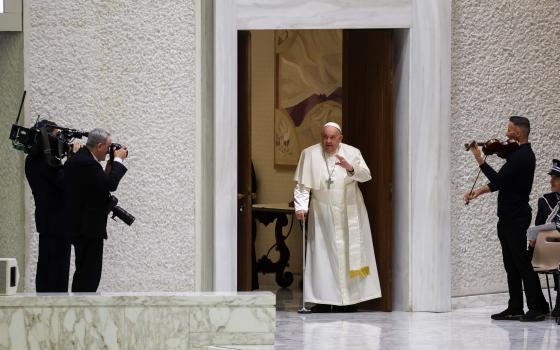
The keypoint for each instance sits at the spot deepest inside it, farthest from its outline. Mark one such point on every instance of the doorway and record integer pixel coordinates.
(421, 192)
(367, 122)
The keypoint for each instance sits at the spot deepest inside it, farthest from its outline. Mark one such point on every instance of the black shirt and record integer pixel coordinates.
(514, 181)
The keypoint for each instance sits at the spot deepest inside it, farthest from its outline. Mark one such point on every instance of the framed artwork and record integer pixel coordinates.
(308, 89)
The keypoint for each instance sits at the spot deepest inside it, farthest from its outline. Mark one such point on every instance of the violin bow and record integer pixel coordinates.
(475, 180)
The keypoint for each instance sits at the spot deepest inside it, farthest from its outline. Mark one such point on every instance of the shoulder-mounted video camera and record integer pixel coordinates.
(40, 138)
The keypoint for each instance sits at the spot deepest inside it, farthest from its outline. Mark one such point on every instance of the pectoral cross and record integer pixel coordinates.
(329, 182)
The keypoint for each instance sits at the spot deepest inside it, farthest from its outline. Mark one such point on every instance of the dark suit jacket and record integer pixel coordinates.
(47, 186)
(87, 188)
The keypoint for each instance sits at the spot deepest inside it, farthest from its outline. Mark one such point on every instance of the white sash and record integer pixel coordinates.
(357, 260)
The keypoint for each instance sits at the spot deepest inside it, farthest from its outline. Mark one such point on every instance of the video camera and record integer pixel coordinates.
(40, 139)
(32, 141)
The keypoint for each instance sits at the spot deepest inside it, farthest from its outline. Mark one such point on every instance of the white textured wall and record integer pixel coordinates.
(505, 61)
(12, 233)
(127, 66)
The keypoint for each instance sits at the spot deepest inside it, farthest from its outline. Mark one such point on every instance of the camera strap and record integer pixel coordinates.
(111, 160)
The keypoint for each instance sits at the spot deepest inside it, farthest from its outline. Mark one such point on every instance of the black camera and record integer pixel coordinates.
(40, 139)
(119, 212)
(114, 147)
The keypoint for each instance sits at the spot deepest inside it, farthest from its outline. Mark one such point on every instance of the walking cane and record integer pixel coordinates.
(303, 309)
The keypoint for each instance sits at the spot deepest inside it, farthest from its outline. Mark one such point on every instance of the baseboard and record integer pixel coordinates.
(494, 299)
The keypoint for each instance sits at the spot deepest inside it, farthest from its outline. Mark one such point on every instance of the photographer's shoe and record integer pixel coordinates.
(533, 316)
(508, 315)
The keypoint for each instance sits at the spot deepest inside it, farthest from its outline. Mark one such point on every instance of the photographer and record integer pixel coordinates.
(45, 175)
(87, 191)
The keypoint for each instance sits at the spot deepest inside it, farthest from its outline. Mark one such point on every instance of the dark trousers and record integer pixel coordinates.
(89, 259)
(53, 264)
(512, 232)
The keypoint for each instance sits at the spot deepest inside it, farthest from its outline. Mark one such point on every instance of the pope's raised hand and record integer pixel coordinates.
(343, 163)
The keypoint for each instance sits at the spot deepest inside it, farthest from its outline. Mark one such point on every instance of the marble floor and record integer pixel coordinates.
(464, 328)
(460, 329)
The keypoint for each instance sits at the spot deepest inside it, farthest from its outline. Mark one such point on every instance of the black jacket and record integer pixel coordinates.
(514, 181)
(546, 203)
(87, 188)
(47, 186)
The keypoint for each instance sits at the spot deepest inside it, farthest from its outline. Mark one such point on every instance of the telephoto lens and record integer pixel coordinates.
(122, 214)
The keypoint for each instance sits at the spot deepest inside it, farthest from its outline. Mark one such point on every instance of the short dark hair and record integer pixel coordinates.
(521, 122)
(45, 123)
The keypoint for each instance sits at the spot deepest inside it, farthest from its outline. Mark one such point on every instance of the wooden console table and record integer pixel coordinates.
(266, 214)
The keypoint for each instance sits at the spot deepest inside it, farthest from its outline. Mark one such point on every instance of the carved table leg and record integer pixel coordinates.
(284, 279)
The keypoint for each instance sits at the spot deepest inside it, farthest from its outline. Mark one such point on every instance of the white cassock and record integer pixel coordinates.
(340, 265)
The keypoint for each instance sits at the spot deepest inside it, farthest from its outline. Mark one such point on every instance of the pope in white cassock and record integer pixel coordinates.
(340, 266)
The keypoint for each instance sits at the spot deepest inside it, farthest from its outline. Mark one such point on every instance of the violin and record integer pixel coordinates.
(502, 149)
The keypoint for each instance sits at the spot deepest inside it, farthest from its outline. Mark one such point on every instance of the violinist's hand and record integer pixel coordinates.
(469, 196)
(477, 154)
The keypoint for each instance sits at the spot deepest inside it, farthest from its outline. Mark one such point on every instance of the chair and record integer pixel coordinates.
(546, 257)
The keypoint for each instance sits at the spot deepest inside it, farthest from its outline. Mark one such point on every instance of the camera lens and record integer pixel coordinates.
(122, 214)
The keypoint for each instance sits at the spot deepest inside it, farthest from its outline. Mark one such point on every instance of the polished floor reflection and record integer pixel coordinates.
(460, 329)
(466, 328)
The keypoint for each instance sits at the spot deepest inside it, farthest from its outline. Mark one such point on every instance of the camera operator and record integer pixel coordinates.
(45, 175)
(88, 189)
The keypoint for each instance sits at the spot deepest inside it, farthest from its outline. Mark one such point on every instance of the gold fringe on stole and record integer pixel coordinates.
(363, 272)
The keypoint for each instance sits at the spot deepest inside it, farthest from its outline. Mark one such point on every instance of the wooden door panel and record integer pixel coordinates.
(244, 218)
(368, 125)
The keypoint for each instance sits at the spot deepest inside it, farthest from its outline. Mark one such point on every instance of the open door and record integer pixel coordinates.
(244, 190)
(368, 125)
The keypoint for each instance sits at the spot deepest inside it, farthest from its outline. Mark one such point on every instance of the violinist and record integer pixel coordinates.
(514, 182)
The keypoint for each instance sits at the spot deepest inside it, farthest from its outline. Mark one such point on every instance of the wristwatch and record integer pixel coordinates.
(351, 172)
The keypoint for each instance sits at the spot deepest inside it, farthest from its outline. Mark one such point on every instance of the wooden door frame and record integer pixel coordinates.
(422, 117)
(245, 190)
